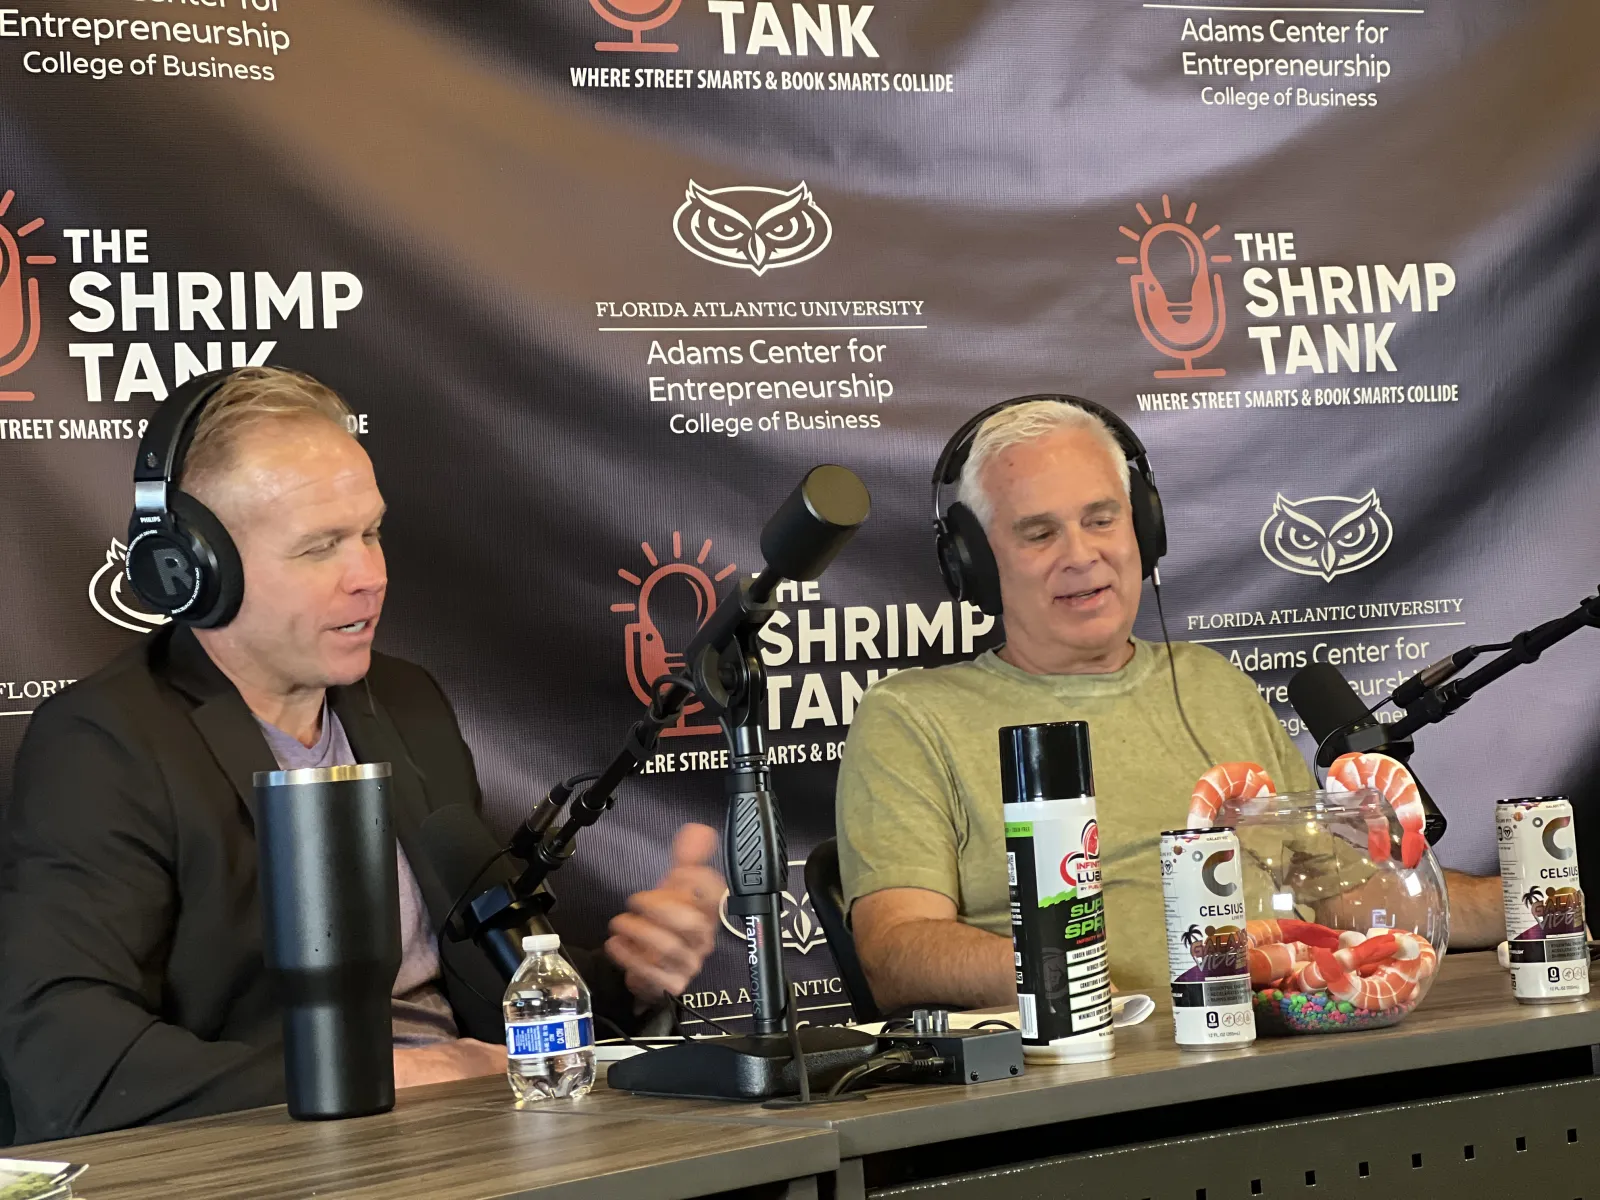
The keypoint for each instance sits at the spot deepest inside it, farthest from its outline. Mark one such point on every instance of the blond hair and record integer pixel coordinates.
(253, 396)
(1028, 423)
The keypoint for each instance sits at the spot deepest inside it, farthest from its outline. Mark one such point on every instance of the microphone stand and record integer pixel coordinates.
(1437, 703)
(726, 674)
(779, 1056)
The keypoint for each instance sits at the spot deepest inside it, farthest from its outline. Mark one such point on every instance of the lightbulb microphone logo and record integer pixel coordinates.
(1177, 298)
(637, 16)
(645, 645)
(19, 297)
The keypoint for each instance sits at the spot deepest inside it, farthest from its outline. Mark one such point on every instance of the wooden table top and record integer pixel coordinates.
(454, 1141)
(465, 1140)
(1468, 1016)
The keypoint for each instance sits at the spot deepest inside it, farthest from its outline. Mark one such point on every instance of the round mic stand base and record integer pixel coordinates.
(744, 1067)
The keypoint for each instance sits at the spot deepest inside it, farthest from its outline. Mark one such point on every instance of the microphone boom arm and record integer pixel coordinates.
(1438, 703)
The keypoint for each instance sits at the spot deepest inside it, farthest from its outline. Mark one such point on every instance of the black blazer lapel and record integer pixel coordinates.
(375, 738)
(221, 715)
(468, 980)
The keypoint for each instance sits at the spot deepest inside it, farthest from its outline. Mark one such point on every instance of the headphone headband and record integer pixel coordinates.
(167, 437)
(959, 448)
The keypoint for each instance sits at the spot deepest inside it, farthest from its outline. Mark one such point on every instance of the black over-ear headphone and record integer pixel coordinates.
(966, 560)
(181, 561)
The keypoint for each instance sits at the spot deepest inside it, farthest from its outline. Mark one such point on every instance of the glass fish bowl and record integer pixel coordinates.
(1342, 935)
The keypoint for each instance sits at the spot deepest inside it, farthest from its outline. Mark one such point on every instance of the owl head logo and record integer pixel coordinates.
(1326, 535)
(752, 228)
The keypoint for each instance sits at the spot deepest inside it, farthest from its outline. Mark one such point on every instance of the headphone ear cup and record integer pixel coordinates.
(212, 551)
(1149, 521)
(969, 547)
(949, 559)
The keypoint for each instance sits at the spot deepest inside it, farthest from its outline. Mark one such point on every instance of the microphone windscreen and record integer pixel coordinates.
(460, 849)
(814, 523)
(1324, 699)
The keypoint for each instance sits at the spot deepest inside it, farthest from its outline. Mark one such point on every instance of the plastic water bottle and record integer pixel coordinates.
(549, 1027)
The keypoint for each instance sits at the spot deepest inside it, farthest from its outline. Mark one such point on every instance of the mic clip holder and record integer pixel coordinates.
(495, 918)
(1362, 737)
(724, 664)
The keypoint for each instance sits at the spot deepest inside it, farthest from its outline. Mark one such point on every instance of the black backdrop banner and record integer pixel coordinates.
(603, 278)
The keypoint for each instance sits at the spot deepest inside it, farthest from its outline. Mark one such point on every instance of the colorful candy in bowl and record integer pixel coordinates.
(1343, 936)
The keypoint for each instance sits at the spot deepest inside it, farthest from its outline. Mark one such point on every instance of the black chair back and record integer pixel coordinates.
(827, 901)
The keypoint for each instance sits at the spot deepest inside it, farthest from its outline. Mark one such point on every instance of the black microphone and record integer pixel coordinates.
(814, 523)
(486, 907)
(1335, 716)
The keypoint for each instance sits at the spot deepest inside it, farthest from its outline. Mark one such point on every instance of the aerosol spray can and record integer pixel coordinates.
(1543, 899)
(1206, 948)
(1058, 923)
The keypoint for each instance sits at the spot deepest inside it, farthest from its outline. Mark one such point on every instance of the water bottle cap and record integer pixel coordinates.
(541, 943)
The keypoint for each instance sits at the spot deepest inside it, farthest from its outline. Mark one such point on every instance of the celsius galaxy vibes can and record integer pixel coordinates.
(1058, 924)
(1543, 900)
(1203, 890)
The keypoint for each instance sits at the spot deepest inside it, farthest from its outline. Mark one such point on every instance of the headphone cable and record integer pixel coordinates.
(1166, 638)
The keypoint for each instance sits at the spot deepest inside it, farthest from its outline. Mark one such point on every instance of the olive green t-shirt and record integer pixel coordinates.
(918, 801)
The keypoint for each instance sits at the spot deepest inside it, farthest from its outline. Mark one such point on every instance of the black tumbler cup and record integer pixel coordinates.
(330, 906)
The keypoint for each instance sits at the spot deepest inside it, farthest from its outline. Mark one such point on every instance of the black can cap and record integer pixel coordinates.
(1045, 762)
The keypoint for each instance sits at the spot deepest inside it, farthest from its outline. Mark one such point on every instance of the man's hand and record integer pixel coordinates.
(667, 932)
(447, 1061)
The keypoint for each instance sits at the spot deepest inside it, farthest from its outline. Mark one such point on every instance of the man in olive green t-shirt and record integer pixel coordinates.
(921, 839)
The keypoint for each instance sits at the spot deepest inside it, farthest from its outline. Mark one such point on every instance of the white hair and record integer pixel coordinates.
(1028, 423)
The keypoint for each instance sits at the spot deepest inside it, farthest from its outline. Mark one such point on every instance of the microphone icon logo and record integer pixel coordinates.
(19, 298)
(1177, 298)
(685, 596)
(637, 16)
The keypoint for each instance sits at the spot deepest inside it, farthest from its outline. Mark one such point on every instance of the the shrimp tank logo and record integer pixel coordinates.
(1177, 297)
(756, 229)
(113, 599)
(1326, 536)
(674, 599)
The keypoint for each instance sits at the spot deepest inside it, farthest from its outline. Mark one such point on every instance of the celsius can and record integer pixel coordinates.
(1058, 924)
(1202, 887)
(1543, 900)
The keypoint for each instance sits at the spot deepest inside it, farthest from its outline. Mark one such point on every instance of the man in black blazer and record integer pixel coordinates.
(133, 987)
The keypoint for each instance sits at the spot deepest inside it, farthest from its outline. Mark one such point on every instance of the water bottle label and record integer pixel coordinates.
(550, 1035)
